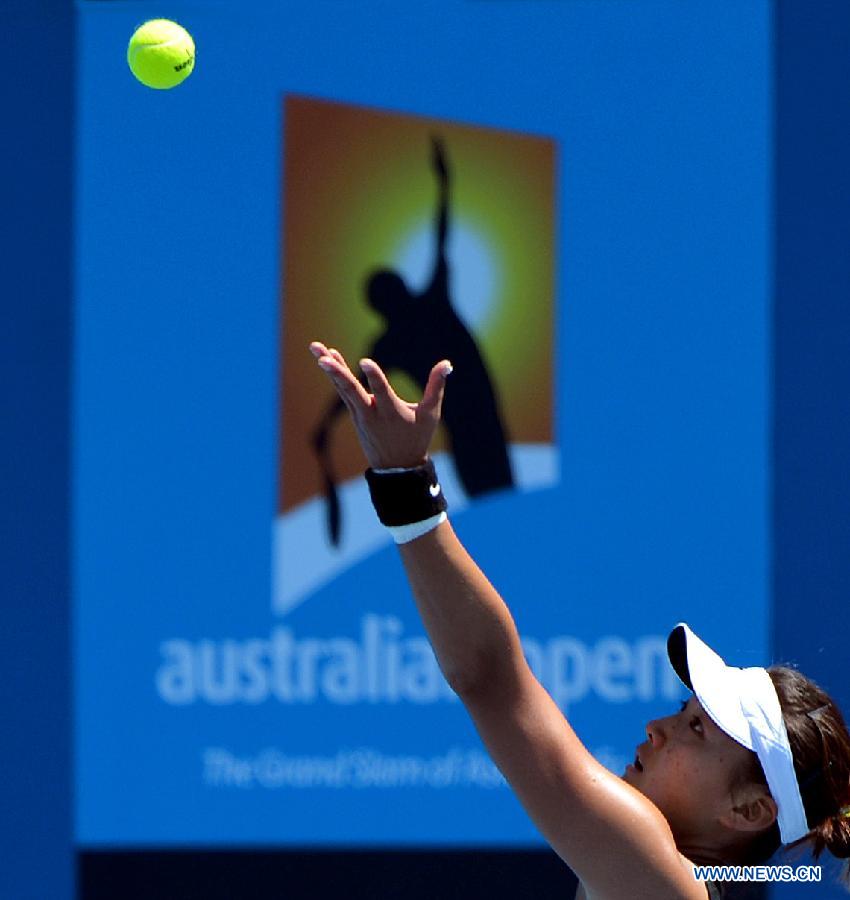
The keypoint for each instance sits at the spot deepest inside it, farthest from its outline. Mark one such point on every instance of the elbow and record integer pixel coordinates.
(462, 681)
(481, 675)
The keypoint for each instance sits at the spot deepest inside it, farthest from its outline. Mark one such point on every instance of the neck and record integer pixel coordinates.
(709, 850)
(704, 856)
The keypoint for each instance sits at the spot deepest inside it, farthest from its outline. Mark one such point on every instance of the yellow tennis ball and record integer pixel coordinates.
(161, 54)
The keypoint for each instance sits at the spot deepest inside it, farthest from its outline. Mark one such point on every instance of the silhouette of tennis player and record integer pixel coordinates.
(421, 329)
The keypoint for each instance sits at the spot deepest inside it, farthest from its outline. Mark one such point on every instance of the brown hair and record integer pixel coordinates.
(820, 744)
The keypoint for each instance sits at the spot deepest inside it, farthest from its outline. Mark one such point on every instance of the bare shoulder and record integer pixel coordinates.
(604, 829)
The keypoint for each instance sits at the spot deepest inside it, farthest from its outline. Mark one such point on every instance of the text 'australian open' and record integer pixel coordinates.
(381, 664)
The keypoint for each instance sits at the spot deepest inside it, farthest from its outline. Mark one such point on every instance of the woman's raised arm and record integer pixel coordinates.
(618, 843)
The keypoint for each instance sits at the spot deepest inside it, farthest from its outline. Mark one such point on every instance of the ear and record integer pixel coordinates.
(752, 812)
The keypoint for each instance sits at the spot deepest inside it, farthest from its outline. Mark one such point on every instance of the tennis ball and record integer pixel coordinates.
(161, 54)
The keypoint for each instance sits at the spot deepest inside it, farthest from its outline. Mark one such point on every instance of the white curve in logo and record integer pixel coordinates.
(304, 561)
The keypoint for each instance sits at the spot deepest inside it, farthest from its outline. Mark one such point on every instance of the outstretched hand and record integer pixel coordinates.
(391, 431)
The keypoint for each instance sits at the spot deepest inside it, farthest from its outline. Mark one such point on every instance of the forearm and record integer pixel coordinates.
(470, 627)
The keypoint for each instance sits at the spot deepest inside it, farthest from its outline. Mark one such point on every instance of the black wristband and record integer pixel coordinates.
(406, 496)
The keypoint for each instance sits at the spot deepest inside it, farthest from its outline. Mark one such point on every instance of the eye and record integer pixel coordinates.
(696, 724)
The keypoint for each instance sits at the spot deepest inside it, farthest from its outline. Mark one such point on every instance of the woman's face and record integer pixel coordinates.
(687, 767)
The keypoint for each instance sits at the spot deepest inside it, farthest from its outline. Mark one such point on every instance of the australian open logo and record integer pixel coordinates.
(406, 240)
(410, 240)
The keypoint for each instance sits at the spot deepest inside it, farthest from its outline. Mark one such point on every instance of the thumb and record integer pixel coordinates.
(432, 399)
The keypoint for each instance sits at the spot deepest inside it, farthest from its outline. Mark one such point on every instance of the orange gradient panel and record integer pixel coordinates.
(360, 194)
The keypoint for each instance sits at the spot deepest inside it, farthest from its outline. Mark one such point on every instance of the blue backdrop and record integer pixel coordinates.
(673, 500)
(662, 135)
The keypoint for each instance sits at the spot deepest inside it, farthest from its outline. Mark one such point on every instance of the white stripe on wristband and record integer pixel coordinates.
(403, 534)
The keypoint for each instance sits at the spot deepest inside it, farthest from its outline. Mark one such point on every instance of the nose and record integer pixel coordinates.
(656, 733)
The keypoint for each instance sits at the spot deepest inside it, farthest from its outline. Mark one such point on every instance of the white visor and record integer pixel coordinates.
(743, 703)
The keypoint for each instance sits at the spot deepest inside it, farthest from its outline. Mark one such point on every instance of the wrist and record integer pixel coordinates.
(408, 500)
(399, 465)
(395, 470)
(404, 534)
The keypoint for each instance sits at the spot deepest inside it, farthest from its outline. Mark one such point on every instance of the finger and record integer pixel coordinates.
(349, 395)
(318, 349)
(332, 351)
(378, 383)
(348, 387)
(432, 399)
(335, 354)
